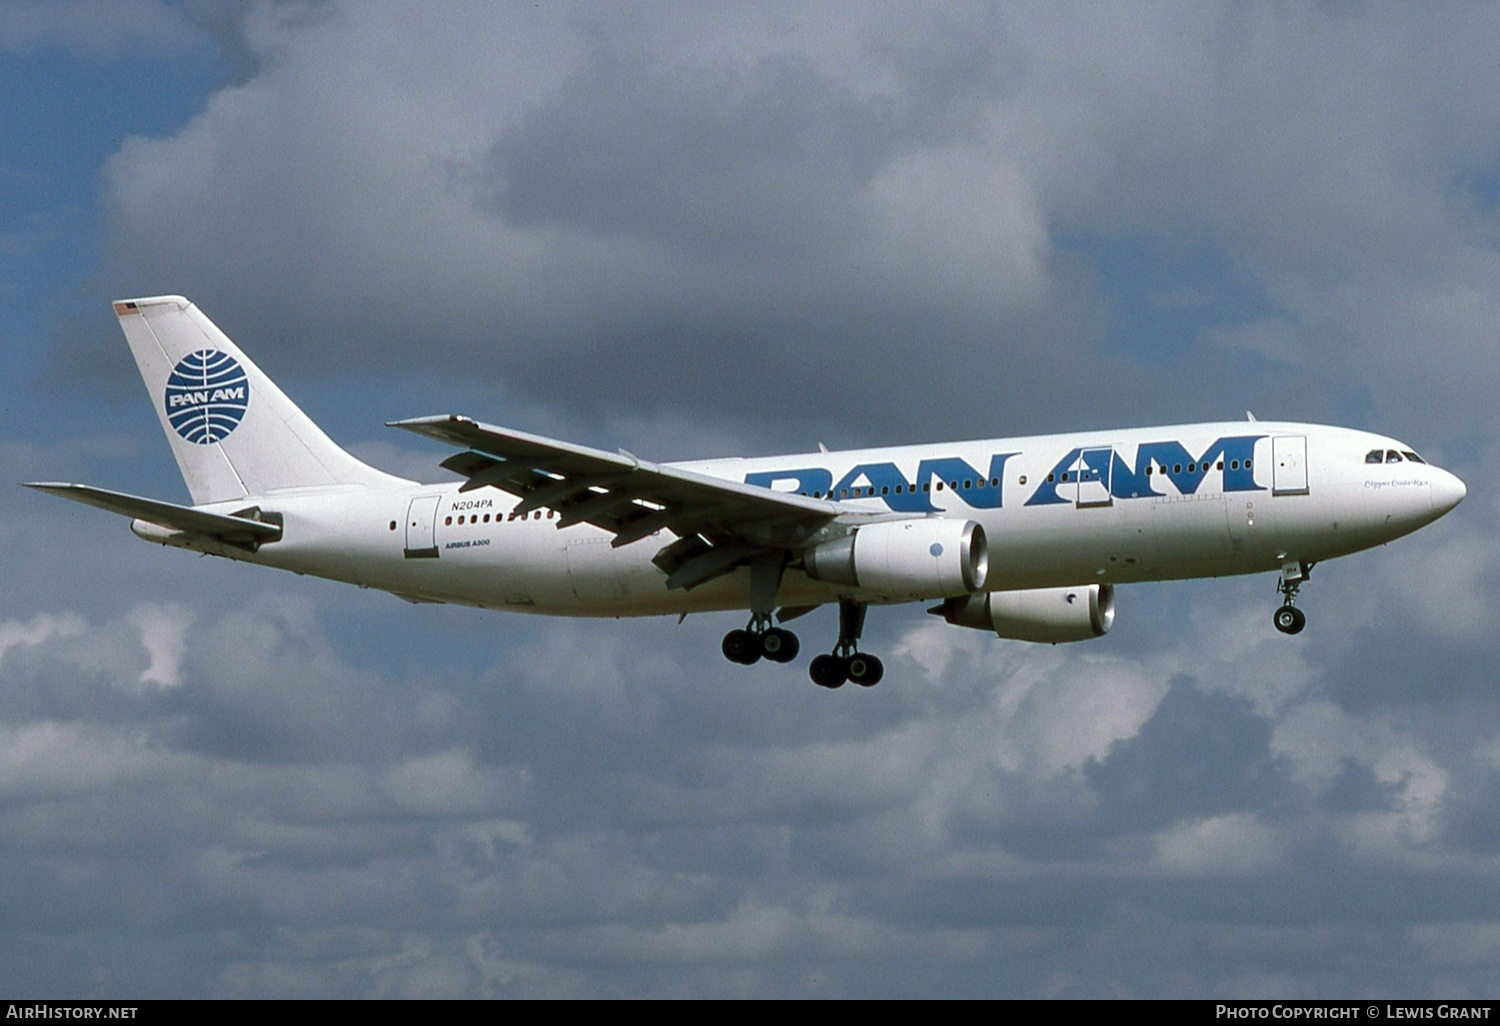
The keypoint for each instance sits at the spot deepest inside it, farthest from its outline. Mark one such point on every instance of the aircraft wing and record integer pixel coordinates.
(235, 530)
(719, 523)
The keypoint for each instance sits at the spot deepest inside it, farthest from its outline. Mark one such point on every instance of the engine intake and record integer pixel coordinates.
(927, 558)
(1036, 614)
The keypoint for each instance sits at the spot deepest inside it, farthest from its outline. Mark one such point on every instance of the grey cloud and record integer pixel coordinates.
(763, 165)
(1200, 754)
(828, 223)
(326, 792)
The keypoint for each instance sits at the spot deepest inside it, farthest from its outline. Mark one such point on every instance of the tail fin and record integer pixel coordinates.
(233, 432)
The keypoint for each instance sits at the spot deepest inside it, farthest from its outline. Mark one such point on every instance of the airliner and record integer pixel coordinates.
(1023, 537)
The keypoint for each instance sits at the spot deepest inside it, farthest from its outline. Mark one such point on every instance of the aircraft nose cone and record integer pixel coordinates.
(1447, 491)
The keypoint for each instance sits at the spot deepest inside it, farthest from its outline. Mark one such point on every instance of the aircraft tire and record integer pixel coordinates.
(780, 645)
(865, 670)
(741, 647)
(828, 671)
(1290, 620)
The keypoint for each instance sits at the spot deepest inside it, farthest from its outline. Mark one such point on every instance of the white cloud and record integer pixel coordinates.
(1230, 845)
(446, 784)
(840, 219)
(41, 628)
(43, 761)
(164, 636)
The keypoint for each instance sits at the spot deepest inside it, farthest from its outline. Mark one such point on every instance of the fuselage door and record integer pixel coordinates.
(421, 527)
(1289, 465)
(1090, 474)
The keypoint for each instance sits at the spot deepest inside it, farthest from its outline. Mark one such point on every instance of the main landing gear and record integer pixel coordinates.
(846, 662)
(760, 640)
(1289, 619)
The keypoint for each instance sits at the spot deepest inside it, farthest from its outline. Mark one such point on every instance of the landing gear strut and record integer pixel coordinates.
(846, 662)
(759, 638)
(1288, 618)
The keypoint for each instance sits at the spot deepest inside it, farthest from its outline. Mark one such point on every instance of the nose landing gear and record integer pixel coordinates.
(1288, 618)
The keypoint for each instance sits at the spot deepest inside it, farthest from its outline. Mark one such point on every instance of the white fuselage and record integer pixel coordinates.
(1199, 500)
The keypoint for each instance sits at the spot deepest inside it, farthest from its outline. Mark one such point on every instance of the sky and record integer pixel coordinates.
(691, 230)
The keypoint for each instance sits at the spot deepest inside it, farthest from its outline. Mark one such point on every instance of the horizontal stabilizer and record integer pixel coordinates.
(235, 530)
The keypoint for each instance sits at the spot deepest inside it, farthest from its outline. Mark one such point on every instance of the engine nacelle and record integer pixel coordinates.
(926, 558)
(1036, 614)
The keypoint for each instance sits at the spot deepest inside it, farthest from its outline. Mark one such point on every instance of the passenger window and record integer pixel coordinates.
(1177, 468)
(1219, 465)
(447, 521)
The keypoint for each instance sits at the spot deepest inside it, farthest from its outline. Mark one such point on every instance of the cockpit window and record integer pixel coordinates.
(1375, 456)
(1412, 456)
(1392, 456)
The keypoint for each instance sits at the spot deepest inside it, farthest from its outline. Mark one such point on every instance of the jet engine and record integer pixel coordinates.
(929, 557)
(1036, 614)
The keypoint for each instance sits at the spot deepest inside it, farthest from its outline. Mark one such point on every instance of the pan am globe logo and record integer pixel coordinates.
(207, 395)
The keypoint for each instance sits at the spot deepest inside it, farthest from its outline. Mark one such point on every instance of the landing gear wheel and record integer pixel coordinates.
(865, 670)
(1290, 620)
(828, 671)
(780, 645)
(741, 647)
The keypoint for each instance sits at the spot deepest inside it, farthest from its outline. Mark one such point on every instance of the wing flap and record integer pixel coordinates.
(579, 482)
(727, 521)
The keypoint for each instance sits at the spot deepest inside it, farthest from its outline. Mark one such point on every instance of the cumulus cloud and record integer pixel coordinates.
(673, 206)
(717, 229)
